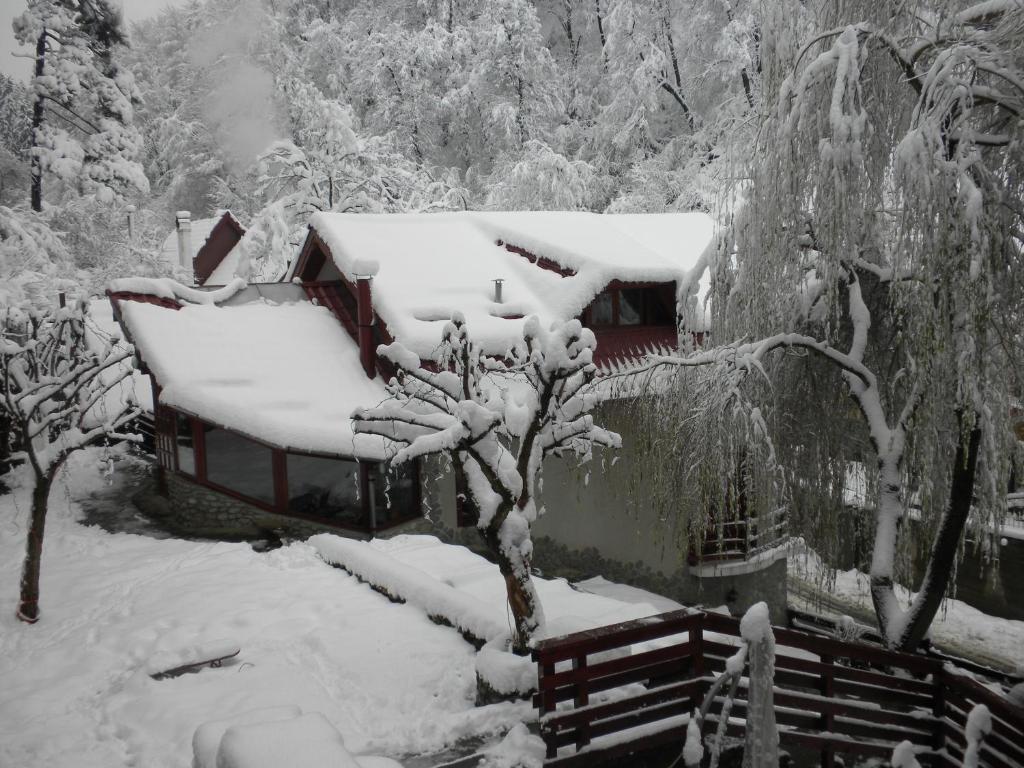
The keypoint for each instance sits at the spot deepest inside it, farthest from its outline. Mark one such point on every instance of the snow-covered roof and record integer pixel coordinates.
(284, 373)
(432, 264)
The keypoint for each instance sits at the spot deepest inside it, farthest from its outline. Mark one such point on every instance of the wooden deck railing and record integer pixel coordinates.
(742, 538)
(615, 690)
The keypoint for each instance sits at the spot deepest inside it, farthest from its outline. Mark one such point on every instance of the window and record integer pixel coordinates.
(323, 487)
(631, 306)
(636, 305)
(602, 311)
(394, 493)
(183, 444)
(239, 464)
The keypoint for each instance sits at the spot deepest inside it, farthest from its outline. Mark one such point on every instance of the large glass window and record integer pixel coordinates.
(183, 443)
(239, 464)
(395, 495)
(601, 310)
(324, 487)
(631, 306)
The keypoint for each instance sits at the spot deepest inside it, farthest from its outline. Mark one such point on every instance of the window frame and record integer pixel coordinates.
(279, 468)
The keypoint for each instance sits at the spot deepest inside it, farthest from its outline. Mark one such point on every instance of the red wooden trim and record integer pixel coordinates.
(279, 463)
(541, 261)
(367, 349)
(222, 239)
(199, 446)
(144, 298)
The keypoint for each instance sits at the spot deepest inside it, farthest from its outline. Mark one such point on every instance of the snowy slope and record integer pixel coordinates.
(73, 688)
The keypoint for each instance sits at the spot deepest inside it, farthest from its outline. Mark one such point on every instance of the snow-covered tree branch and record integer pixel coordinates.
(496, 420)
(876, 250)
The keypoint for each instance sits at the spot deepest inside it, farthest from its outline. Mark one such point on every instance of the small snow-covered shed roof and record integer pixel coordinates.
(431, 264)
(284, 373)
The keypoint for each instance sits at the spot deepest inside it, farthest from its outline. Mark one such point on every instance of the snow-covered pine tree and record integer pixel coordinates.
(878, 254)
(496, 420)
(83, 101)
(55, 389)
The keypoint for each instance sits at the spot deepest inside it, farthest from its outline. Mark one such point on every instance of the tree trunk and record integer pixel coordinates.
(28, 607)
(37, 124)
(522, 598)
(944, 548)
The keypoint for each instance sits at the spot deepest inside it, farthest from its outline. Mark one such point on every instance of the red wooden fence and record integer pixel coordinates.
(599, 698)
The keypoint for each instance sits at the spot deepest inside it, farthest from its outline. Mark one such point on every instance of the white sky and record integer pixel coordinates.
(22, 68)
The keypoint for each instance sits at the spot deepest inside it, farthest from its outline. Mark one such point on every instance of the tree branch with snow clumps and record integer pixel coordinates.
(877, 254)
(496, 420)
(58, 393)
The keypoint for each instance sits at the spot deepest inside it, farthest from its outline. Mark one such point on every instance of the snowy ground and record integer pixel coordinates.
(958, 627)
(73, 688)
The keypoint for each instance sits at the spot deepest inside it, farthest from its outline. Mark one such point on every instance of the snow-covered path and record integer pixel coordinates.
(73, 688)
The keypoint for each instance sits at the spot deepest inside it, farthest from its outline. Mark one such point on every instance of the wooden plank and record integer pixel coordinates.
(596, 756)
(1002, 739)
(652, 672)
(998, 705)
(594, 712)
(616, 635)
(830, 646)
(624, 722)
(634, 661)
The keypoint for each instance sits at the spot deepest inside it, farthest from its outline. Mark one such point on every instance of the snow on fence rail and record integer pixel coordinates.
(830, 696)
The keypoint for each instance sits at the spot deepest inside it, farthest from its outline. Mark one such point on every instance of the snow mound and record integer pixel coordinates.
(307, 741)
(208, 736)
(504, 671)
(404, 582)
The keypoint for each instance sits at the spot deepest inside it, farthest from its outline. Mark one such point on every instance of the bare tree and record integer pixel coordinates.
(496, 420)
(56, 391)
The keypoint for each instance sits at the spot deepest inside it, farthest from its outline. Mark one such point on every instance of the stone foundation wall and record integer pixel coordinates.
(197, 510)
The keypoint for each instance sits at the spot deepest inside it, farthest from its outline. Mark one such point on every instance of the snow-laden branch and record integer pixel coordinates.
(496, 420)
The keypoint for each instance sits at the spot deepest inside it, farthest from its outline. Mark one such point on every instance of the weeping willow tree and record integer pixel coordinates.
(867, 299)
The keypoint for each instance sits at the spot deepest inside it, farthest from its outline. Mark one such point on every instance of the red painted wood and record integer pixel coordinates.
(367, 348)
(223, 237)
(144, 298)
(857, 699)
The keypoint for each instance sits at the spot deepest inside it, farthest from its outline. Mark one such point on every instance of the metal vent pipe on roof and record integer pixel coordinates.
(497, 289)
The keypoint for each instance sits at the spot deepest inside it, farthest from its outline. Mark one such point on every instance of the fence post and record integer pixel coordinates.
(939, 709)
(827, 718)
(696, 633)
(546, 669)
(579, 666)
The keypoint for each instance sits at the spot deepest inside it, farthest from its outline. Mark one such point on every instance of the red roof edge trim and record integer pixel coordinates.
(541, 261)
(143, 298)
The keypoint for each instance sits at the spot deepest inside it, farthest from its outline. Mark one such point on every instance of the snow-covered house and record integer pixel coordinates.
(255, 385)
(206, 250)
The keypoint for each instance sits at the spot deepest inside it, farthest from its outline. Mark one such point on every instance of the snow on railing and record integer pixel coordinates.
(829, 695)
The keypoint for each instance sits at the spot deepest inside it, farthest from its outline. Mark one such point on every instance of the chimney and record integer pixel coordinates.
(131, 222)
(183, 223)
(364, 270)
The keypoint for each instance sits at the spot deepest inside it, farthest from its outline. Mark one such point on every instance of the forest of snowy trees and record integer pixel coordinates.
(863, 163)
